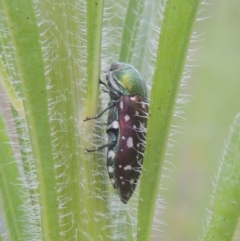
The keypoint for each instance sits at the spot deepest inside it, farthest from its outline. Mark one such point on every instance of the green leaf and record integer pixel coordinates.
(225, 211)
(130, 29)
(8, 87)
(176, 31)
(10, 183)
(23, 28)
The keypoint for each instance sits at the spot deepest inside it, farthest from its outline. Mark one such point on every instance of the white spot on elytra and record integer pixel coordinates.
(134, 127)
(123, 137)
(114, 125)
(111, 154)
(121, 105)
(130, 142)
(136, 113)
(120, 166)
(121, 149)
(128, 167)
(110, 169)
(143, 105)
(122, 182)
(133, 98)
(126, 118)
(142, 126)
(121, 177)
(112, 180)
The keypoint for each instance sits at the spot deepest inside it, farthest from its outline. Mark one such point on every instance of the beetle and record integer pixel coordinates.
(126, 127)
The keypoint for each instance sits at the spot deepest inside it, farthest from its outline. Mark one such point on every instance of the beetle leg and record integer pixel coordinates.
(103, 90)
(112, 139)
(101, 147)
(101, 113)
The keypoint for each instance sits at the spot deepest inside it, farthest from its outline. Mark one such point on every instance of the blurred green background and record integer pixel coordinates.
(214, 89)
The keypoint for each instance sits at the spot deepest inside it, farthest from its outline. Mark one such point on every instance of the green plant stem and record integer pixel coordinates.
(94, 184)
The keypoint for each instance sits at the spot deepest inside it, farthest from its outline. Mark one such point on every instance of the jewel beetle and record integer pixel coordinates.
(126, 127)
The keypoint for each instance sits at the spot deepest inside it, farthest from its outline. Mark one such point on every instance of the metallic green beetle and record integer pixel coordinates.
(126, 127)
